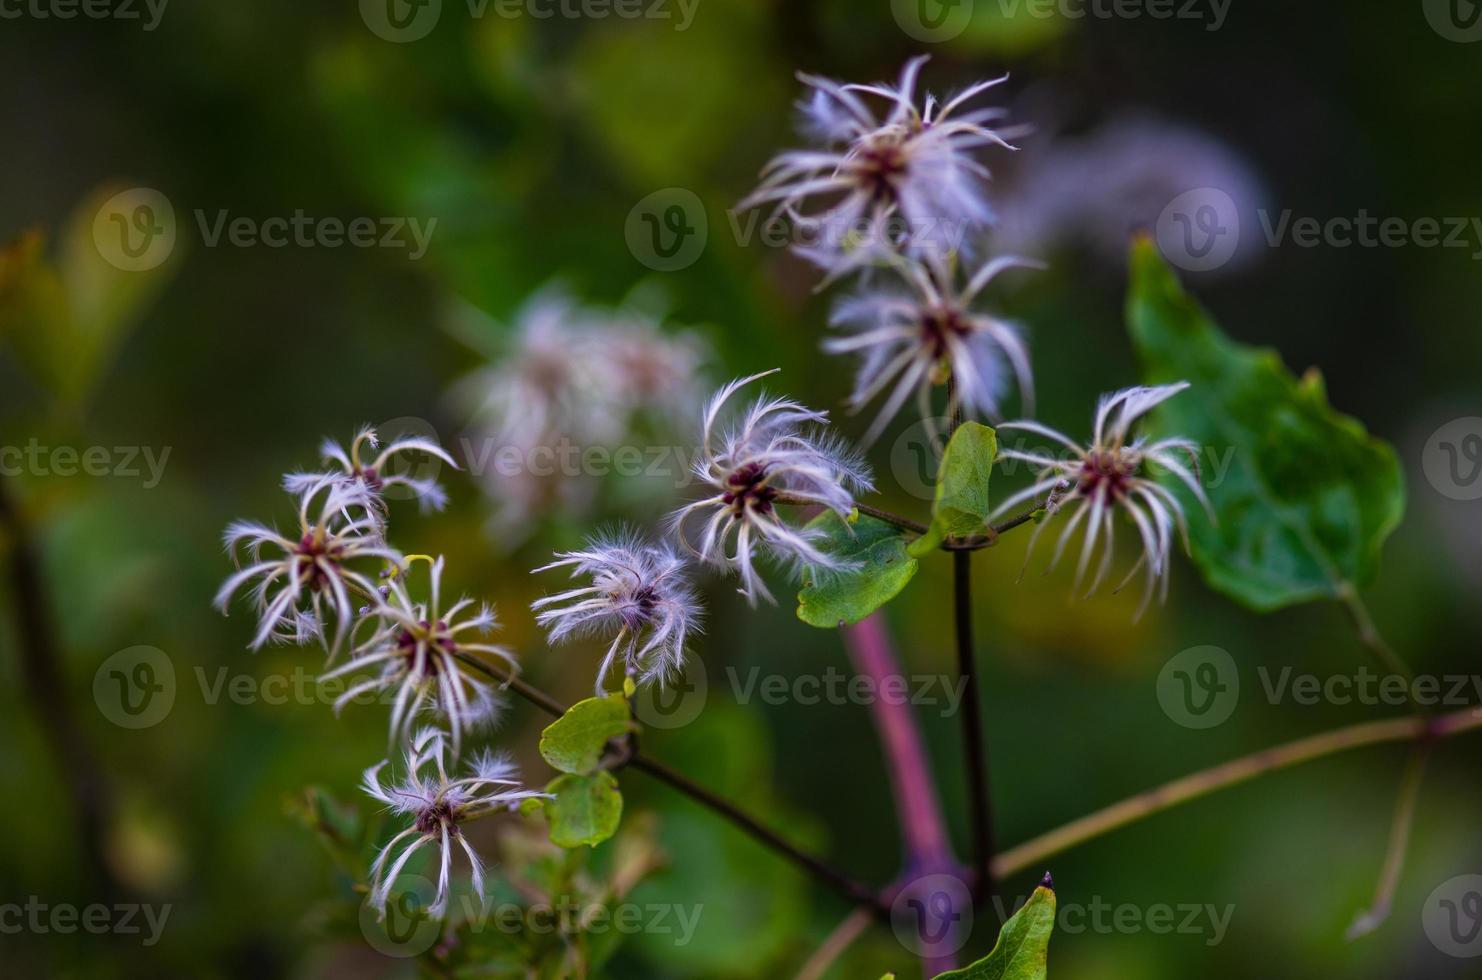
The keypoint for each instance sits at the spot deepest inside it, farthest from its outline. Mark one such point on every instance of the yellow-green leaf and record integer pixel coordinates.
(961, 505)
(585, 809)
(574, 743)
(1023, 945)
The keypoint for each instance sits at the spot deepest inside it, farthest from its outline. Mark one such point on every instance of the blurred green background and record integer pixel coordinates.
(530, 141)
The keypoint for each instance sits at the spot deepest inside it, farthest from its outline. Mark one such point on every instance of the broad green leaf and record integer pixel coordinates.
(961, 505)
(1304, 496)
(575, 742)
(1022, 946)
(881, 569)
(586, 809)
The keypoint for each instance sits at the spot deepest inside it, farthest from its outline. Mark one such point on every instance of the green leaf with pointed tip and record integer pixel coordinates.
(961, 504)
(882, 568)
(586, 809)
(1304, 496)
(1022, 947)
(575, 741)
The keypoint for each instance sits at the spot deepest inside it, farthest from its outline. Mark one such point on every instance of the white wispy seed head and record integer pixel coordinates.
(437, 804)
(414, 650)
(774, 454)
(1091, 483)
(640, 596)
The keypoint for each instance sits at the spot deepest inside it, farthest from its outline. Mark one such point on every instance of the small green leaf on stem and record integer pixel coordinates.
(585, 809)
(961, 505)
(881, 569)
(1023, 945)
(575, 742)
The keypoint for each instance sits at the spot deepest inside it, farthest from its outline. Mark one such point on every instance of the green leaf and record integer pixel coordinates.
(1309, 496)
(1022, 946)
(575, 742)
(586, 809)
(961, 505)
(882, 569)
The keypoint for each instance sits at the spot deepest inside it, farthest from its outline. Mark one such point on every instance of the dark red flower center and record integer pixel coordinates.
(638, 611)
(748, 487)
(437, 636)
(938, 324)
(879, 166)
(435, 816)
(1107, 472)
(311, 548)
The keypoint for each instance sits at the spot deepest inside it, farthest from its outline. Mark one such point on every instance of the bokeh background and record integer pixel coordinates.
(530, 142)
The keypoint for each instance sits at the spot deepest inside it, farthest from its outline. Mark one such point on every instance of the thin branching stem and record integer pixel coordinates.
(835, 945)
(974, 740)
(846, 886)
(1398, 846)
(974, 737)
(1370, 636)
(1032, 853)
(904, 523)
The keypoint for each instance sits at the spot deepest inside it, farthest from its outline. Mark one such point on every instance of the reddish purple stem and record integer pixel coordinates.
(923, 831)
